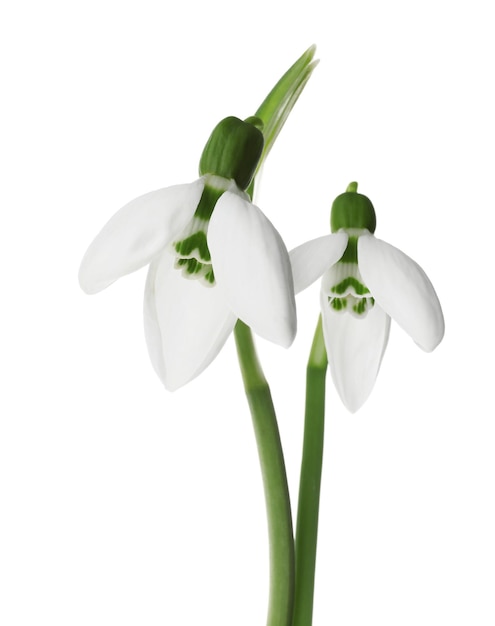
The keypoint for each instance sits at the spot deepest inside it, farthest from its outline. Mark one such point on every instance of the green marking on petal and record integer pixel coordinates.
(360, 306)
(338, 303)
(350, 281)
(193, 256)
(209, 276)
(196, 241)
(192, 268)
(193, 242)
(345, 290)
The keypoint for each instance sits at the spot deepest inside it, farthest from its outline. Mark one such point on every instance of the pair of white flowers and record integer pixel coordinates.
(214, 258)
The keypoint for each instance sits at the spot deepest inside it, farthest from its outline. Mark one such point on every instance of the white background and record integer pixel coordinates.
(122, 504)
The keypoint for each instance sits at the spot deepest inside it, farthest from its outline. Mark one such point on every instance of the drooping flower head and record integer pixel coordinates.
(213, 258)
(365, 283)
(228, 163)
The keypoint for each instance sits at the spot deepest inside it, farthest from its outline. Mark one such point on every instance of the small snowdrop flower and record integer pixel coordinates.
(213, 258)
(365, 283)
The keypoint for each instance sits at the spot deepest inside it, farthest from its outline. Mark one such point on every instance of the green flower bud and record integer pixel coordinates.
(352, 210)
(233, 150)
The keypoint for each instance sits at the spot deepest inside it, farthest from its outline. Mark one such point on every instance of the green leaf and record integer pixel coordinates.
(277, 106)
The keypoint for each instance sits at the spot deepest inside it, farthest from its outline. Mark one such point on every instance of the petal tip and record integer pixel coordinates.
(89, 280)
(281, 333)
(403, 290)
(172, 385)
(289, 335)
(354, 398)
(433, 341)
(85, 282)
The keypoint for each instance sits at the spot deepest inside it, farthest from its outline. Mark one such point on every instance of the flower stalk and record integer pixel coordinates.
(280, 533)
(310, 480)
(273, 113)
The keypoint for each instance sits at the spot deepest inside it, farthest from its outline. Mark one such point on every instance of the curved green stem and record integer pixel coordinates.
(273, 112)
(310, 480)
(280, 531)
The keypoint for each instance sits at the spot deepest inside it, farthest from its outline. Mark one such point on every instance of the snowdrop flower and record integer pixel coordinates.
(365, 283)
(213, 258)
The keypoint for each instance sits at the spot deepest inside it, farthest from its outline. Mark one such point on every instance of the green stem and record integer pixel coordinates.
(310, 480)
(280, 533)
(273, 112)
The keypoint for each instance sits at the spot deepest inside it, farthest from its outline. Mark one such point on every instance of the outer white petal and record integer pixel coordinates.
(136, 233)
(252, 268)
(185, 323)
(355, 347)
(402, 289)
(310, 260)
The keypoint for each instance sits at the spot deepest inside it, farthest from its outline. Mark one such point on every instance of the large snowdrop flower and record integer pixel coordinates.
(365, 282)
(213, 258)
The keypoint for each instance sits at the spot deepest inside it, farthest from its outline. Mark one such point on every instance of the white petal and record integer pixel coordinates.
(252, 268)
(185, 323)
(402, 289)
(136, 233)
(310, 260)
(355, 347)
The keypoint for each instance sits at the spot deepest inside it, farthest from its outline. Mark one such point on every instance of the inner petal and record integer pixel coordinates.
(192, 255)
(346, 291)
(190, 247)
